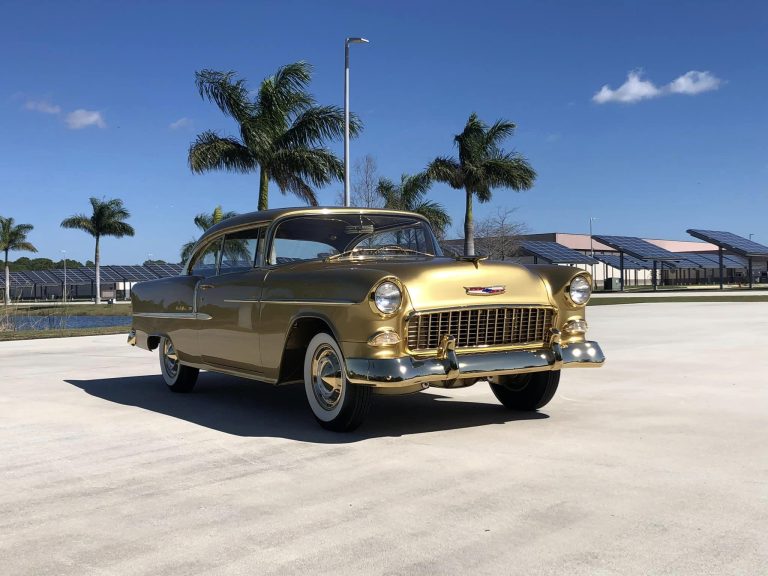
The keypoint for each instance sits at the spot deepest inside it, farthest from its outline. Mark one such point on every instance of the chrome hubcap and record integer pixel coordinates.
(327, 378)
(170, 358)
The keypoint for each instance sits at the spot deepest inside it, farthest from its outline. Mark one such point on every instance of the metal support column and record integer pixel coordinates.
(750, 272)
(720, 254)
(621, 265)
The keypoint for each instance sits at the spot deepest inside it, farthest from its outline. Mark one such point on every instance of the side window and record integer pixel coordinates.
(205, 261)
(240, 250)
(286, 250)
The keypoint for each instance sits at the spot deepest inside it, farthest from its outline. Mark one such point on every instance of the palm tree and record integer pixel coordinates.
(108, 219)
(13, 237)
(204, 221)
(410, 195)
(481, 167)
(282, 131)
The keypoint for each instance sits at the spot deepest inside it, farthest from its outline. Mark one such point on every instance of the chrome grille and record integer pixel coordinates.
(479, 327)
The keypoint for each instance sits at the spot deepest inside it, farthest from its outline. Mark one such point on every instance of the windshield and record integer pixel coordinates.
(335, 236)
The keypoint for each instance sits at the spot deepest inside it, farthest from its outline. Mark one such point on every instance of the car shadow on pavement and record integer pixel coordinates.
(247, 408)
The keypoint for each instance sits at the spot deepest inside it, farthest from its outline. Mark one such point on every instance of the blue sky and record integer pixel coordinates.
(91, 91)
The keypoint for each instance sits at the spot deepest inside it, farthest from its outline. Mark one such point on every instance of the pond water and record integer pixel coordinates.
(60, 322)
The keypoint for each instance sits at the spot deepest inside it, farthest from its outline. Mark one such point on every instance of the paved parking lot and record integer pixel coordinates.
(655, 464)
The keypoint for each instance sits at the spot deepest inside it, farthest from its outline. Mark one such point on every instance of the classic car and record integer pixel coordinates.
(353, 302)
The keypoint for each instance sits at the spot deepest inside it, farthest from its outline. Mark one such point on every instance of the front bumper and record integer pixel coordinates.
(409, 371)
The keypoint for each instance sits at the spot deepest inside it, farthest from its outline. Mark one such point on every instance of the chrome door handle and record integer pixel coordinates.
(205, 286)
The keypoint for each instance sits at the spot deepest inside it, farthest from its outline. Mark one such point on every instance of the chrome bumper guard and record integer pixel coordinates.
(405, 371)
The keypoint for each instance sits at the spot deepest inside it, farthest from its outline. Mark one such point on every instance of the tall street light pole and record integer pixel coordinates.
(592, 252)
(347, 42)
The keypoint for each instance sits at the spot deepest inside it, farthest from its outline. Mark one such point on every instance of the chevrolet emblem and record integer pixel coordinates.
(484, 290)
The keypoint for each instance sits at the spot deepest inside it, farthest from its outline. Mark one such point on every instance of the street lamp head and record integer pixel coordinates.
(357, 41)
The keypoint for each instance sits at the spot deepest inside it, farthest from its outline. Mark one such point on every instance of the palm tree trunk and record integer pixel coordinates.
(7, 296)
(264, 189)
(98, 272)
(469, 228)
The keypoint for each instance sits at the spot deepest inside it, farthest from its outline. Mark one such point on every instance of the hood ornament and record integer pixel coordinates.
(485, 290)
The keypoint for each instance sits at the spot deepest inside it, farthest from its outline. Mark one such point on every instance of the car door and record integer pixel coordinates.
(229, 302)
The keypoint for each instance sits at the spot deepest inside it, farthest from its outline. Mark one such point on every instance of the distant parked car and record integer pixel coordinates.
(352, 302)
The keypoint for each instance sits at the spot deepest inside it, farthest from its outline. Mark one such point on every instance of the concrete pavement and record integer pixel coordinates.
(654, 464)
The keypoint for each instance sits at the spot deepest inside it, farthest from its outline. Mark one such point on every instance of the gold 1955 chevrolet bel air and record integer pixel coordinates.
(353, 302)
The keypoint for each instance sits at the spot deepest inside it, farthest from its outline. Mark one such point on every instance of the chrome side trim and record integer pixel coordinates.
(174, 315)
(407, 371)
(310, 302)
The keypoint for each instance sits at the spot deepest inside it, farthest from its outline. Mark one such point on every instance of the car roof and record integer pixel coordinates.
(266, 216)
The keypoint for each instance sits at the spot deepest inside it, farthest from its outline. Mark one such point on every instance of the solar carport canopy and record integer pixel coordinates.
(554, 253)
(637, 248)
(629, 262)
(731, 242)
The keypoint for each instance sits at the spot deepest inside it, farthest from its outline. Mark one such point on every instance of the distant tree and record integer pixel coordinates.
(282, 132)
(150, 262)
(70, 264)
(89, 264)
(410, 194)
(40, 264)
(13, 238)
(498, 235)
(108, 219)
(363, 187)
(204, 221)
(482, 166)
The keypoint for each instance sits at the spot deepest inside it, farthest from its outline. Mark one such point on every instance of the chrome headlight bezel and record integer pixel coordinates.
(387, 297)
(579, 290)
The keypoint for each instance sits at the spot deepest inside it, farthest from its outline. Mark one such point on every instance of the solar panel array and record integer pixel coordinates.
(730, 241)
(636, 247)
(629, 262)
(555, 253)
(165, 270)
(134, 273)
(85, 276)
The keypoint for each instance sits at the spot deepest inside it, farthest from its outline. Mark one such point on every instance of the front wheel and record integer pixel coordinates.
(337, 404)
(178, 378)
(526, 391)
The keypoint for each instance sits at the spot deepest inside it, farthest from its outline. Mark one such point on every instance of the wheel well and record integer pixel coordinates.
(302, 331)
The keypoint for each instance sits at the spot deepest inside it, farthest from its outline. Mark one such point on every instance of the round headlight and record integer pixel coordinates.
(387, 297)
(580, 290)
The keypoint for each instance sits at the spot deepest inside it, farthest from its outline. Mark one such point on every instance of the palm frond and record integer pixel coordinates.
(298, 187)
(79, 222)
(388, 190)
(284, 95)
(446, 169)
(500, 130)
(319, 166)
(436, 214)
(219, 88)
(315, 125)
(509, 171)
(210, 151)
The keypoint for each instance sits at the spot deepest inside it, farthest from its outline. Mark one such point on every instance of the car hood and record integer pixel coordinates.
(433, 283)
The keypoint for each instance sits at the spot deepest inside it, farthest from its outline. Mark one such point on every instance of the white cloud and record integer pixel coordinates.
(83, 118)
(42, 106)
(183, 122)
(633, 90)
(636, 88)
(694, 82)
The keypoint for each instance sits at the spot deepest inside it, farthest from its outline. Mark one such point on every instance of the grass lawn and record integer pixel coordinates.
(66, 310)
(36, 334)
